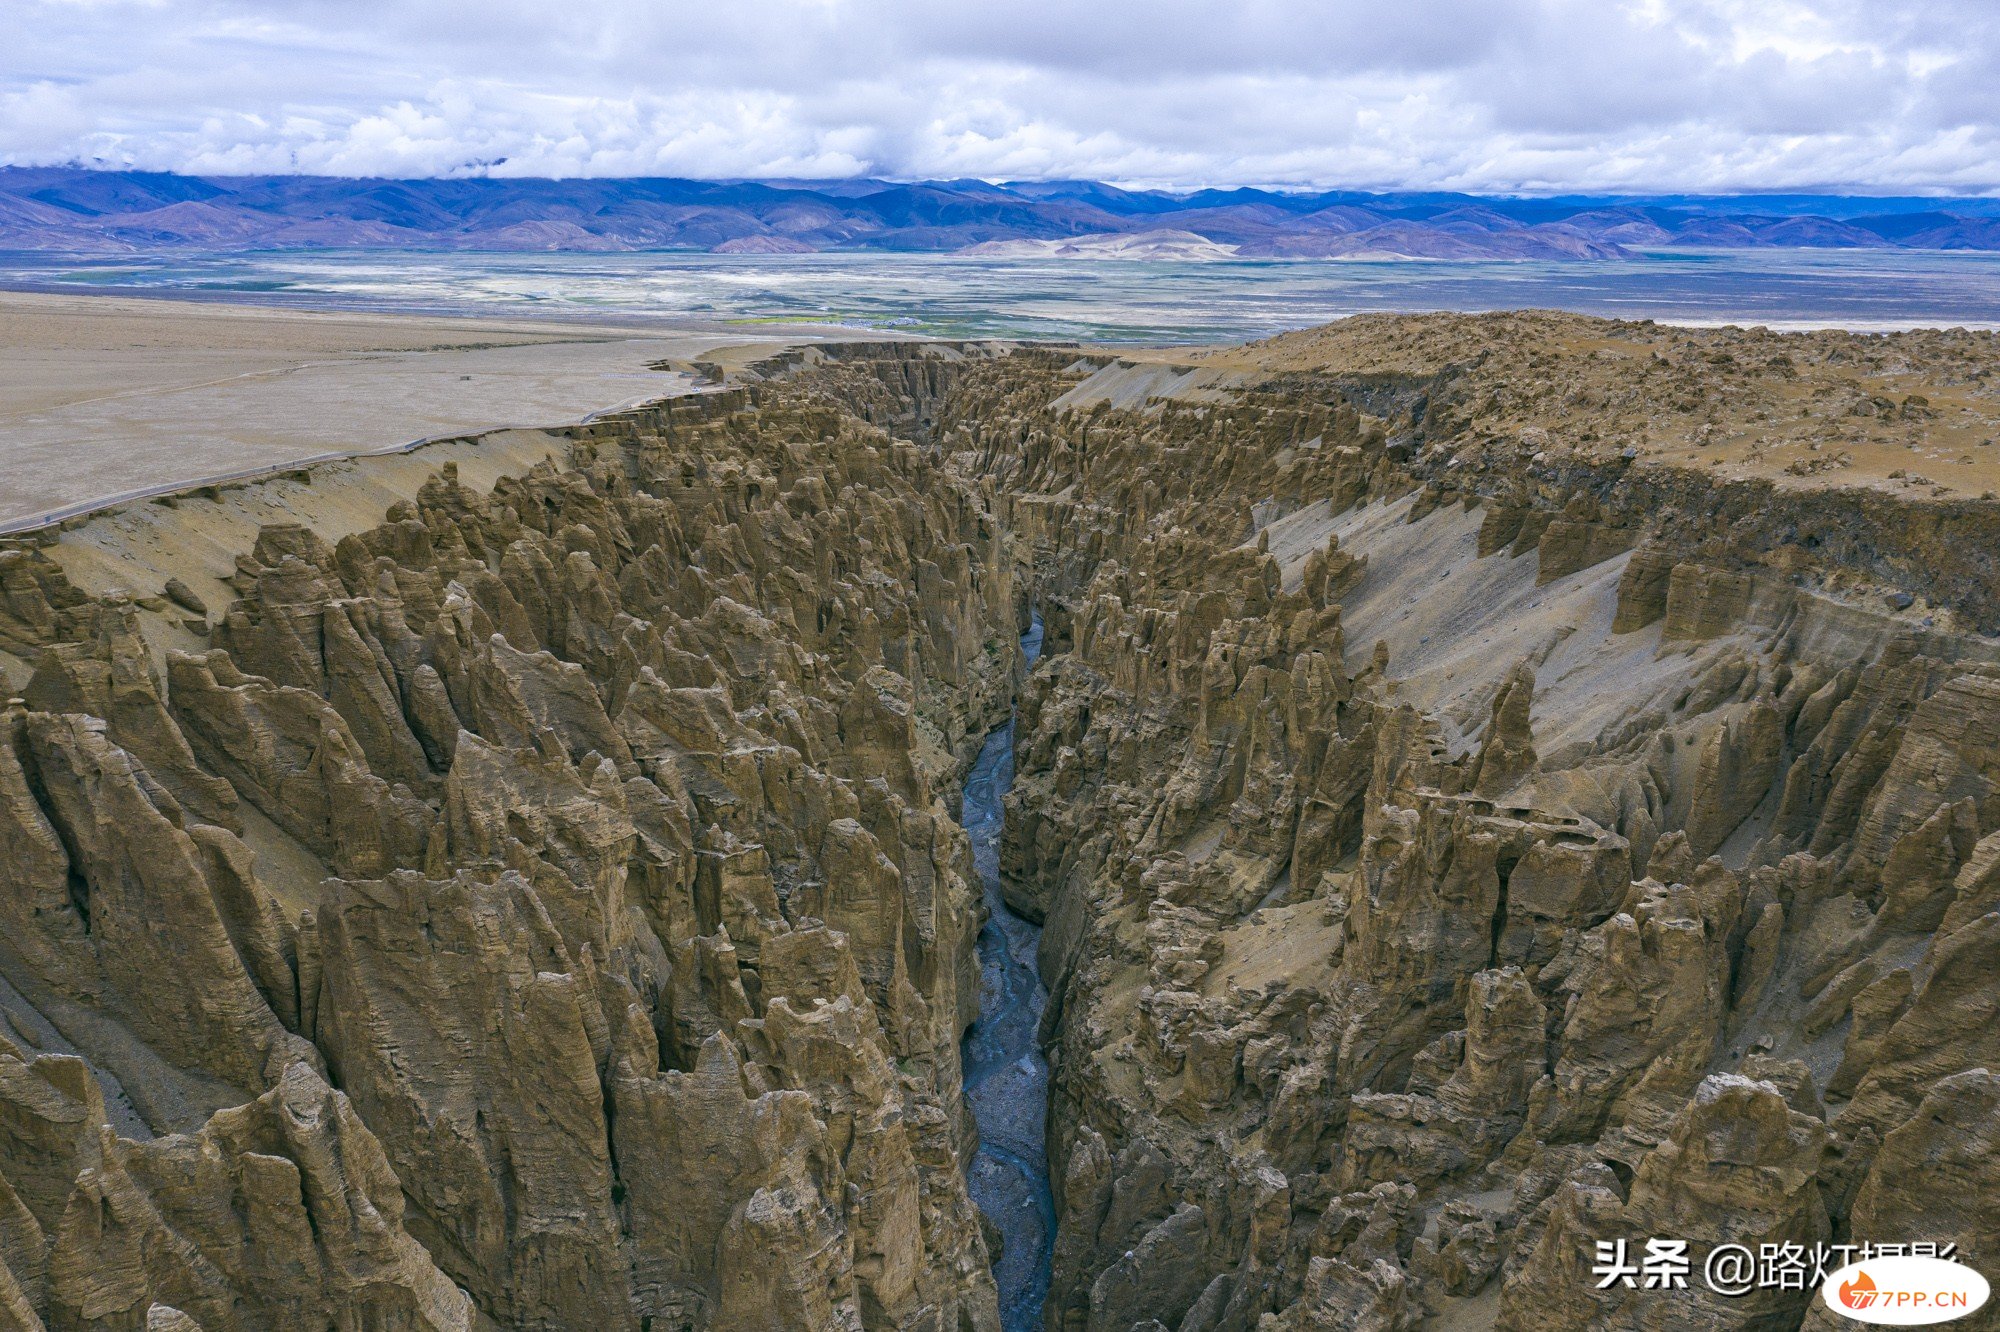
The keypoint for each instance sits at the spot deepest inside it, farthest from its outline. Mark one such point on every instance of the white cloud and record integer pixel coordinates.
(1471, 94)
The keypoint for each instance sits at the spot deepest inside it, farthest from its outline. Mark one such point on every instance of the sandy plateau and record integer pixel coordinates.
(106, 396)
(1481, 789)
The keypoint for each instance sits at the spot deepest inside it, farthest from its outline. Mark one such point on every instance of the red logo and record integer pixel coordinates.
(1905, 1291)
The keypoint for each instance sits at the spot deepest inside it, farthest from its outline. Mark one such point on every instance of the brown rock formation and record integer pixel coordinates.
(276, 1212)
(595, 847)
(1417, 915)
(1428, 935)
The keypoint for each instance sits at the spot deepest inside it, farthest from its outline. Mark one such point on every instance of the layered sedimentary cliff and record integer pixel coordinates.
(1456, 852)
(539, 908)
(520, 887)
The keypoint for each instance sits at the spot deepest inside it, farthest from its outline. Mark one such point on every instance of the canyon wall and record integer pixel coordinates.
(1452, 859)
(536, 908)
(523, 891)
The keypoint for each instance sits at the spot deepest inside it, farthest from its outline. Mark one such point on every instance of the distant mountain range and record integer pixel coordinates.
(89, 211)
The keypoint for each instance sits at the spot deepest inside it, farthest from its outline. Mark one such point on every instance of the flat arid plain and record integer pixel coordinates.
(1341, 831)
(104, 395)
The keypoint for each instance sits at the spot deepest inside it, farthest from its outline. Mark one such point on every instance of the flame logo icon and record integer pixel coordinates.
(1905, 1291)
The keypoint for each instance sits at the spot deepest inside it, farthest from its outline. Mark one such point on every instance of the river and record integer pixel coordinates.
(1006, 1077)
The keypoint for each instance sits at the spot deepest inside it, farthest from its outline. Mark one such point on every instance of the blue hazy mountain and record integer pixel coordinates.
(92, 211)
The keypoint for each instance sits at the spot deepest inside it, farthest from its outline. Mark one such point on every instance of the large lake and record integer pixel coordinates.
(1088, 300)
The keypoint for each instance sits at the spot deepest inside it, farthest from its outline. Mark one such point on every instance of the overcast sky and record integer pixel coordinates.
(1496, 95)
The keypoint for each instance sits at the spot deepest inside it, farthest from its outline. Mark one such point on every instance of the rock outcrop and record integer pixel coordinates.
(542, 908)
(1401, 951)
(591, 835)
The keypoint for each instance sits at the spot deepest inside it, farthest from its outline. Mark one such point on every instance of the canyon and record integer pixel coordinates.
(1322, 834)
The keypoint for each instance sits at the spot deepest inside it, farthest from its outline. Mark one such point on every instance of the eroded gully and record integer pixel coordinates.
(1005, 1074)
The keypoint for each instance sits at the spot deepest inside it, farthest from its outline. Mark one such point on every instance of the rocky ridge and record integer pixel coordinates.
(623, 982)
(1448, 866)
(541, 907)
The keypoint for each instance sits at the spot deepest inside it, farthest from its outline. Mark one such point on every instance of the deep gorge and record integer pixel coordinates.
(540, 882)
(1006, 1077)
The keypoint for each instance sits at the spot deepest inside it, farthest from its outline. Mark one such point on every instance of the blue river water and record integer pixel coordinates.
(1006, 1077)
(1086, 300)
